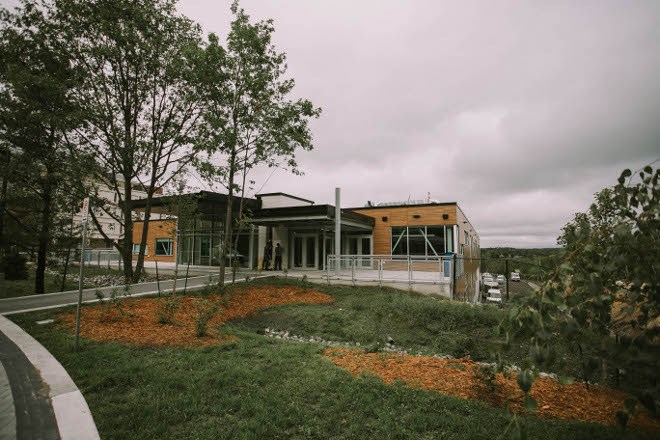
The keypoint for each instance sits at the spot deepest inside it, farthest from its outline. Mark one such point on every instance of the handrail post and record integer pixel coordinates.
(353, 260)
(409, 273)
(380, 272)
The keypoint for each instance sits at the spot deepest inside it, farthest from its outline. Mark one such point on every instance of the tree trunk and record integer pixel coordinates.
(44, 238)
(139, 265)
(4, 246)
(127, 245)
(226, 240)
(68, 256)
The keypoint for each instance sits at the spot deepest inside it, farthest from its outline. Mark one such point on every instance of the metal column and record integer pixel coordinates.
(337, 230)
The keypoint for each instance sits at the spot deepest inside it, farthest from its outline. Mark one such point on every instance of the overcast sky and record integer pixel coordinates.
(518, 110)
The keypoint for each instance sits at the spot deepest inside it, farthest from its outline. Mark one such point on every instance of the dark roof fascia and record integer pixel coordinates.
(311, 210)
(259, 196)
(417, 205)
(291, 211)
(200, 196)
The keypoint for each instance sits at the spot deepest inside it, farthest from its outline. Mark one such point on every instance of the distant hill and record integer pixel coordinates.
(532, 263)
(508, 252)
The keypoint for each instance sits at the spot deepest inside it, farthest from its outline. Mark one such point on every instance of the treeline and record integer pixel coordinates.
(534, 264)
(118, 94)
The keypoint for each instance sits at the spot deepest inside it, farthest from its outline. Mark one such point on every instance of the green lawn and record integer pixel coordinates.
(52, 282)
(264, 388)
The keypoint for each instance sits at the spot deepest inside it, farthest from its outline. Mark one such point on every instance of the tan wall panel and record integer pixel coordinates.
(157, 229)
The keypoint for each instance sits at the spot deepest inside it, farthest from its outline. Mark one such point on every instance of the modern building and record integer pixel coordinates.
(110, 217)
(306, 232)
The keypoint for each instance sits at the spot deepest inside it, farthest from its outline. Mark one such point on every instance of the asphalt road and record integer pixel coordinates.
(52, 300)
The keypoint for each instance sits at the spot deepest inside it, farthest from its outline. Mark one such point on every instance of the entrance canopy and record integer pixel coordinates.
(312, 217)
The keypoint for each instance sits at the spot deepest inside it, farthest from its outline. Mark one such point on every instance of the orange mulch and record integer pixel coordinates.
(461, 378)
(136, 323)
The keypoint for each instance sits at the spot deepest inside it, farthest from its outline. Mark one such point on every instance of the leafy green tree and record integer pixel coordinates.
(138, 68)
(37, 112)
(604, 299)
(249, 117)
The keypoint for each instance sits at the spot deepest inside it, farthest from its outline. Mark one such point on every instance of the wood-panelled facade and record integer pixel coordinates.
(407, 215)
(460, 236)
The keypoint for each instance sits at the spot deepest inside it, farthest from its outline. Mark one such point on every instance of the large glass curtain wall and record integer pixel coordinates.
(429, 241)
(201, 244)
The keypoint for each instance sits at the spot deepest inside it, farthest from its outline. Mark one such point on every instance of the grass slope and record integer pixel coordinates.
(261, 388)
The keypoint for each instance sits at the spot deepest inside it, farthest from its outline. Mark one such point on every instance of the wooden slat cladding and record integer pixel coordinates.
(429, 215)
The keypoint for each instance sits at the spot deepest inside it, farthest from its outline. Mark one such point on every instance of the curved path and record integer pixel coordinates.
(38, 399)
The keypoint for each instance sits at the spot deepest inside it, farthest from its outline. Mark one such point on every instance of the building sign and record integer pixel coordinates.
(85, 209)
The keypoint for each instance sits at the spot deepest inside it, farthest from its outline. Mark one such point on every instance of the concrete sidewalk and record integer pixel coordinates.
(59, 299)
(38, 399)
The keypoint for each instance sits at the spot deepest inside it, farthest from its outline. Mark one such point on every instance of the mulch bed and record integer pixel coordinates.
(462, 378)
(135, 321)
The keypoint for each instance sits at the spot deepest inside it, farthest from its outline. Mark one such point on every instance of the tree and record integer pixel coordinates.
(249, 118)
(37, 112)
(604, 299)
(140, 99)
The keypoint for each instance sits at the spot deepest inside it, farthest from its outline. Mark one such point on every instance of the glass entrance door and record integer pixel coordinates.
(359, 245)
(305, 251)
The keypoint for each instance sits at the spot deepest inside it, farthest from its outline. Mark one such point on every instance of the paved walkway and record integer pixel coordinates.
(38, 399)
(51, 300)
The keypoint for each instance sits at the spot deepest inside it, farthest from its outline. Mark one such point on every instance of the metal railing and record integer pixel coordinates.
(390, 268)
(102, 257)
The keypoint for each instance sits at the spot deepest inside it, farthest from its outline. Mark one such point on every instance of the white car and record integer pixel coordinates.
(487, 275)
(494, 296)
(515, 276)
(501, 279)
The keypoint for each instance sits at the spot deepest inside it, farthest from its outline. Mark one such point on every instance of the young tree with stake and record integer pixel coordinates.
(249, 117)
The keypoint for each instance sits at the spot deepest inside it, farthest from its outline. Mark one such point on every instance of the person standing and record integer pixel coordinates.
(278, 257)
(268, 255)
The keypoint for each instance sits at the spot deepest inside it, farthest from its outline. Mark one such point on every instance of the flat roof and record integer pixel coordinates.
(311, 213)
(405, 205)
(259, 196)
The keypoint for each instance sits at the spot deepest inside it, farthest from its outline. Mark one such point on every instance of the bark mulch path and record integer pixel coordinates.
(135, 321)
(462, 378)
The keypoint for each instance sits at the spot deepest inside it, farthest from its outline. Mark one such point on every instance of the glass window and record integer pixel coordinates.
(421, 240)
(417, 241)
(450, 238)
(399, 240)
(164, 246)
(435, 236)
(205, 247)
(136, 249)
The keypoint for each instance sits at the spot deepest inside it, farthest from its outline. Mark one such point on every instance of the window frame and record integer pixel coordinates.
(169, 241)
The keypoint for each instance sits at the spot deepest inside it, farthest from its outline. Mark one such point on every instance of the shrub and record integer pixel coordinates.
(15, 267)
(167, 308)
(115, 303)
(205, 311)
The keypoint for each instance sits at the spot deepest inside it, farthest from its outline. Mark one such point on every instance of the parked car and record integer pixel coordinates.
(487, 275)
(488, 279)
(494, 296)
(515, 276)
(501, 279)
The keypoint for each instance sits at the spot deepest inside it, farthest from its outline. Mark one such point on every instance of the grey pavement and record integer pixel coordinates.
(27, 412)
(38, 399)
(58, 299)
